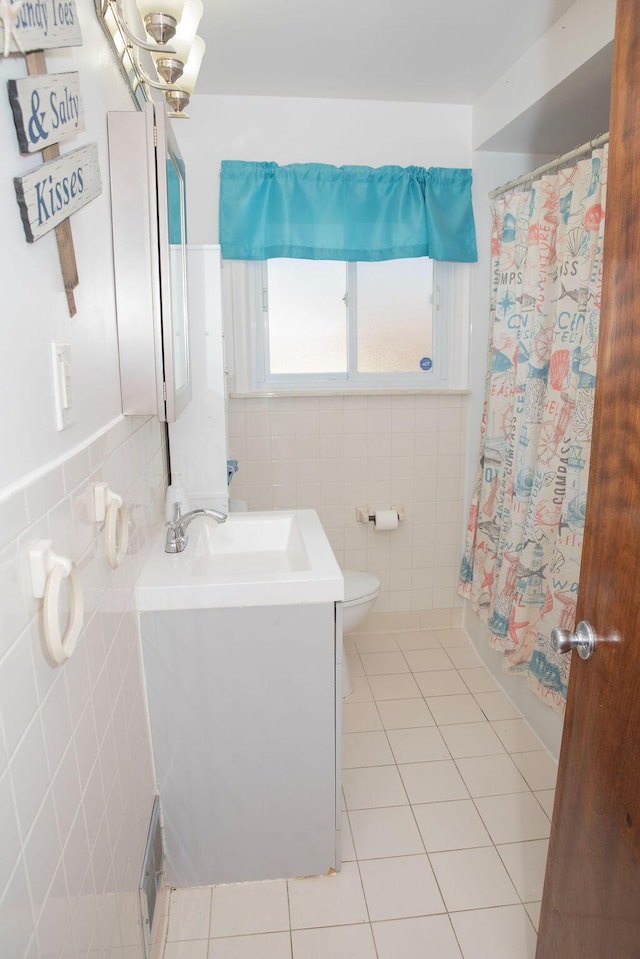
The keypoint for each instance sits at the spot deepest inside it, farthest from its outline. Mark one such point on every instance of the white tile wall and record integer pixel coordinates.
(76, 776)
(337, 452)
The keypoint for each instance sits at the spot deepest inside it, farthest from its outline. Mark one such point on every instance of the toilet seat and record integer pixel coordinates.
(359, 587)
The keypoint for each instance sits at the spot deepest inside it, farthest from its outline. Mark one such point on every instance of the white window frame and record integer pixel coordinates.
(245, 316)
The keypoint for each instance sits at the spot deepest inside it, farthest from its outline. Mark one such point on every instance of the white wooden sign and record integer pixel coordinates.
(57, 189)
(43, 25)
(46, 109)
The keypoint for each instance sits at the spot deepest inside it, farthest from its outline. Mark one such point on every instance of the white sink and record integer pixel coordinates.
(246, 543)
(270, 558)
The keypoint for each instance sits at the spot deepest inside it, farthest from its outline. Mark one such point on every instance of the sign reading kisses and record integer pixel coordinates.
(54, 191)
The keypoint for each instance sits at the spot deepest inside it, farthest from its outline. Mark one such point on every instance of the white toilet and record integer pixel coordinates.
(360, 594)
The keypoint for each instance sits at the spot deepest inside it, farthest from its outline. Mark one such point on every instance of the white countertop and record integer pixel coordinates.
(258, 558)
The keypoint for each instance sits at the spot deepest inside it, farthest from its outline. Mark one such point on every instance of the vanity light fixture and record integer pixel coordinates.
(171, 46)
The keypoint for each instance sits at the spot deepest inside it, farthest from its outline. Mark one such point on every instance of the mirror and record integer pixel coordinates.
(172, 246)
(177, 226)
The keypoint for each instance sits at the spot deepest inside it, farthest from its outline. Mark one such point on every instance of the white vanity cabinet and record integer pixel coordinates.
(148, 204)
(244, 720)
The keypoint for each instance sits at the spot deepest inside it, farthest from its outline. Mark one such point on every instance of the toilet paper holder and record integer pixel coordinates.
(365, 515)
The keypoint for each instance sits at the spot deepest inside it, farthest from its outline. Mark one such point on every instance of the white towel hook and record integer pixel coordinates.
(48, 570)
(110, 509)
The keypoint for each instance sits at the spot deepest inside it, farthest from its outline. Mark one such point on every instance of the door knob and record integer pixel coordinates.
(584, 639)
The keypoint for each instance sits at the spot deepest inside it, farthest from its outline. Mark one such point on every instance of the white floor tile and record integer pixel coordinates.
(373, 787)
(429, 937)
(249, 907)
(473, 879)
(270, 945)
(433, 782)
(398, 686)
(479, 680)
(366, 749)
(377, 643)
(361, 691)
(463, 657)
(516, 735)
(440, 682)
(418, 639)
(513, 818)
(538, 768)
(417, 745)
(424, 660)
(491, 775)
(456, 636)
(399, 887)
(471, 739)
(451, 825)
(526, 863)
(187, 949)
(546, 798)
(360, 717)
(504, 933)
(533, 908)
(336, 942)
(497, 706)
(348, 849)
(189, 913)
(450, 710)
(380, 664)
(404, 713)
(328, 900)
(378, 833)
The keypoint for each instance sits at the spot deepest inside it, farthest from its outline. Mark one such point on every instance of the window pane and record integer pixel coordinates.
(395, 315)
(307, 316)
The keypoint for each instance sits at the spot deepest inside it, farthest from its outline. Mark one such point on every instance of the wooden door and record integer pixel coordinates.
(591, 902)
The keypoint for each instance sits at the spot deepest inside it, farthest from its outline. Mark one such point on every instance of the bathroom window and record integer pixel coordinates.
(326, 325)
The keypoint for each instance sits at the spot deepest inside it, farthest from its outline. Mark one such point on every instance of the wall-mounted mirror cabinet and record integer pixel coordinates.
(148, 208)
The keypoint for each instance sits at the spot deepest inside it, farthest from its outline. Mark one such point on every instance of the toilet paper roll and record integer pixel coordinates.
(385, 519)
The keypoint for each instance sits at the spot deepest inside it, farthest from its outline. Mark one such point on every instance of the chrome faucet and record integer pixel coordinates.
(177, 527)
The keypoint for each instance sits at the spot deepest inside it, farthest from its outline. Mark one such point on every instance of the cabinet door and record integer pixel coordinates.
(149, 245)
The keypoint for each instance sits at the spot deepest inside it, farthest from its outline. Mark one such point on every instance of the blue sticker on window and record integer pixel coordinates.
(426, 363)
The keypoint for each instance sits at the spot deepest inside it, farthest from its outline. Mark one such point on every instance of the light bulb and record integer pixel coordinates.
(178, 98)
(171, 8)
(186, 30)
(192, 67)
(170, 66)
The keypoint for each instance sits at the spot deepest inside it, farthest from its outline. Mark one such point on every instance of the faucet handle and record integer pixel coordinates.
(177, 512)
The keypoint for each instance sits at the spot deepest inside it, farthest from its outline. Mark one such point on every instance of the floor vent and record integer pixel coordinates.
(152, 872)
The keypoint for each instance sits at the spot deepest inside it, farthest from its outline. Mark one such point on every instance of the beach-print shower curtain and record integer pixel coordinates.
(524, 538)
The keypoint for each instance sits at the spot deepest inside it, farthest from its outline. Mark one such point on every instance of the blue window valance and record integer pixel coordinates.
(319, 212)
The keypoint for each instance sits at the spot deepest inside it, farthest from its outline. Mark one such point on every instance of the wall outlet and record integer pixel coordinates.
(61, 360)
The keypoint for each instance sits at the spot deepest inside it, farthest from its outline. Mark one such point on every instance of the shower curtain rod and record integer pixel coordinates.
(552, 165)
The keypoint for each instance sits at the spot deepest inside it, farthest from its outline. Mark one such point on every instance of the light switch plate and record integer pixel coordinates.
(63, 398)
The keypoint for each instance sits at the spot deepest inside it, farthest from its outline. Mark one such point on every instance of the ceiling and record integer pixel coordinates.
(438, 51)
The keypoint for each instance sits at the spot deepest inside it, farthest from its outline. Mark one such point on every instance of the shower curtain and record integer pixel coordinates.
(524, 537)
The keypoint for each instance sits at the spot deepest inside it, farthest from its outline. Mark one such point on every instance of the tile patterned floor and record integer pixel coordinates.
(447, 804)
